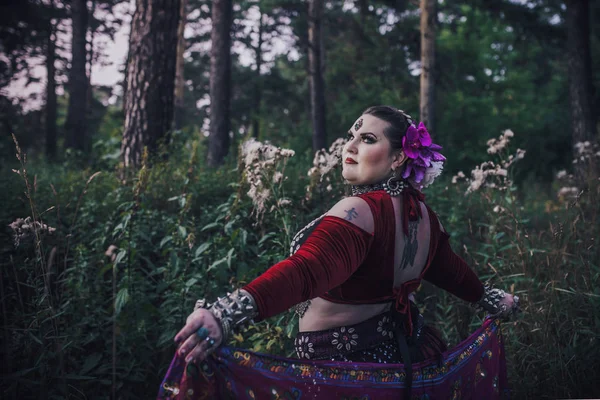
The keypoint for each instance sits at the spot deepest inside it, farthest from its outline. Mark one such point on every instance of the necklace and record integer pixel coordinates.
(362, 189)
(393, 186)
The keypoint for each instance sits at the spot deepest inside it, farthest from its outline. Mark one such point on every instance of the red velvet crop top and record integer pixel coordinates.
(342, 263)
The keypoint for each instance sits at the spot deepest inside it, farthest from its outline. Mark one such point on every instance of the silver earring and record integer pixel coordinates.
(394, 186)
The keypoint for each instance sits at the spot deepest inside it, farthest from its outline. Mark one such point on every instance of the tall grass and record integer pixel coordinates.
(90, 309)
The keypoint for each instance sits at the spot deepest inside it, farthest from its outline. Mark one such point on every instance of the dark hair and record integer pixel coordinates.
(398, 120)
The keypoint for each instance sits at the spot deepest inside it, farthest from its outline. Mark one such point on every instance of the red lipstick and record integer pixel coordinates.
(350, 161)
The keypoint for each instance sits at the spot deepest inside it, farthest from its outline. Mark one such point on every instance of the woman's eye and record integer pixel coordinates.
(368, 139)
(349, 136)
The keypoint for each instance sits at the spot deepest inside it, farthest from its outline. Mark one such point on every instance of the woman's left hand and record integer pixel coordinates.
(510, 306)
(200, 330)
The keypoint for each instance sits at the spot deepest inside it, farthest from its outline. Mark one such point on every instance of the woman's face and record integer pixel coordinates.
(367, 157)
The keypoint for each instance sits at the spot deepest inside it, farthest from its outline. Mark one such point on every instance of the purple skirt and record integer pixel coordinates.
(474, 369)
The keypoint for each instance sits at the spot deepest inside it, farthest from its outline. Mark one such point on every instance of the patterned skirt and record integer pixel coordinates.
(380, 339)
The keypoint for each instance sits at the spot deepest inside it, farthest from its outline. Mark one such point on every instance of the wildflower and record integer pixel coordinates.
(337, 146)
(26, 228)
(568, 193)
(561, 174)
(495, 145)
(260, 161)
(284, 202)
(501, 172)
(323, 163)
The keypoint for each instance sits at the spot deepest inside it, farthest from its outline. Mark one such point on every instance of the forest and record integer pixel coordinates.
(186, 171)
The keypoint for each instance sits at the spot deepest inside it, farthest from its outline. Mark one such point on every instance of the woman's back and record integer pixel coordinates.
(399, 259)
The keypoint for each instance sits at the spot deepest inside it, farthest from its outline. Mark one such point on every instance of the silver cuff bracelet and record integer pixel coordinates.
(491, 303)
(234, 311)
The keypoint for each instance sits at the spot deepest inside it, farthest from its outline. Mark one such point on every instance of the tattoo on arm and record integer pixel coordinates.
(410, 246)
(350, 214)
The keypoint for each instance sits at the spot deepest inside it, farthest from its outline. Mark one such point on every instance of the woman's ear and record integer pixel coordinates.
(399, 160)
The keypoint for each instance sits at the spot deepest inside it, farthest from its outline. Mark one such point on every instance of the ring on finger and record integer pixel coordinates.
(210, 341)
(202, 333)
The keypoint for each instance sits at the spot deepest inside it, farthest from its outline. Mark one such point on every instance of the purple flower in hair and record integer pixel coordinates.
(421, 150)
(415, 139)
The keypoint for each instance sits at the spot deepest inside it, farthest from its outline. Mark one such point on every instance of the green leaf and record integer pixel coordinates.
(182, 231)
(201, 249)
(120, 256)
(229, 257)
(217, 264)
(165, 240)
(121, 300)
(210, 226)
(90, 363)
(243, 237)
(266, 237)
(191, 282)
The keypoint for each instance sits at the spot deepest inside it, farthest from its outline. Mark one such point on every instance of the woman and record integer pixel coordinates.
(353, 270)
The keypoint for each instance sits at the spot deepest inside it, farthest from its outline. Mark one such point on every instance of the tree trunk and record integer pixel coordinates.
(75, 125)
(90, 61)
(316, 68)
(258, 81)
(428, 27)
(179, 73)
(220, 82)
(360, 30)
(150, 78)
(580, 73)
(51, 105)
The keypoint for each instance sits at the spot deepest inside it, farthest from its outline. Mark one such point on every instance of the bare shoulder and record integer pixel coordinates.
(436, 217)
(356, 211)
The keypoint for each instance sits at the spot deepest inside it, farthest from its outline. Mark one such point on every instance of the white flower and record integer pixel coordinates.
(27, 228)
(561, 174)
(284, 202)
(568, 192)
(501, 172)
(431, 173)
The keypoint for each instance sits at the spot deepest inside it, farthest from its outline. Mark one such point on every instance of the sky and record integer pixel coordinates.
(109, 73)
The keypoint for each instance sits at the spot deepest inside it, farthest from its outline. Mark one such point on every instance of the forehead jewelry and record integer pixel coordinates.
(358, 124)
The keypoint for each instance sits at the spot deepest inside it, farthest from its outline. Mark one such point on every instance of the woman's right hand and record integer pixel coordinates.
(193, 346)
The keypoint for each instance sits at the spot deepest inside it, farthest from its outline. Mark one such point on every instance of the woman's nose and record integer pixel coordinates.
(351, 146)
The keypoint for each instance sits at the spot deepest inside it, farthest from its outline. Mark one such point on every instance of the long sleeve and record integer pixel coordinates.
(328, 257)
(451, 273)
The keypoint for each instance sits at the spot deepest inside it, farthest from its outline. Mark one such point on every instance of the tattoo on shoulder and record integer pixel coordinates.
(350, 214)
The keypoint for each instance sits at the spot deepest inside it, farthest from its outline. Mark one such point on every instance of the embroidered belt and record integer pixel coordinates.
(318, 345)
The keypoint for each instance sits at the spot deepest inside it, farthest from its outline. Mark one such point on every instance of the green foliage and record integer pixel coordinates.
(91, 309)
(106, 292)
